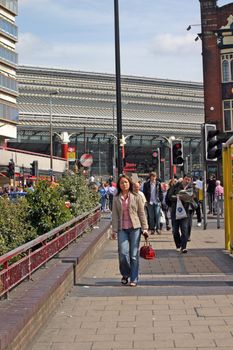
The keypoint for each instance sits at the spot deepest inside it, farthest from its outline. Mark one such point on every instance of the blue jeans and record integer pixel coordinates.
(128, 250)
(180, 231)
(154, 216)
(103, 203)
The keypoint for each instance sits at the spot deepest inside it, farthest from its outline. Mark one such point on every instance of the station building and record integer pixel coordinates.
(81, 105)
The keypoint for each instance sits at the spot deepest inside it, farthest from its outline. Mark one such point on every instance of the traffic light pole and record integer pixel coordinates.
(204, 176)
(159, 164)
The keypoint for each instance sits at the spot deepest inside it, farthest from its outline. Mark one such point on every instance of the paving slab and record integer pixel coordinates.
(182, 301)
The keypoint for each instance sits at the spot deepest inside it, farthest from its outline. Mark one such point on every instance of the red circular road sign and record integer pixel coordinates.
(155, 154)
(86, 160)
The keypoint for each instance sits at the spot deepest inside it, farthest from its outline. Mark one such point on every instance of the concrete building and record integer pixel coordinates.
(8, 63)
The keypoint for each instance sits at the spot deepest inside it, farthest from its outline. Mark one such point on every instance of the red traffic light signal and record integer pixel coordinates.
(177, 153)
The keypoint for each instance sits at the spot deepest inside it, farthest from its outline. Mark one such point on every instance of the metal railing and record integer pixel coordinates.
(37, 252)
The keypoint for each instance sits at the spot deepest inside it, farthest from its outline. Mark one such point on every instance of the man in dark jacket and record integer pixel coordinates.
(180, 226)
(154, 197)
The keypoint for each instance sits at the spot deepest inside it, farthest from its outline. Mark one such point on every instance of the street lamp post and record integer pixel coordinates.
(169, 140)
(51, 94)
(114, 148)
(118, 88)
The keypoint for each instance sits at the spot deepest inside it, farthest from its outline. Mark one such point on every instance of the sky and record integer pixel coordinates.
(79, 35)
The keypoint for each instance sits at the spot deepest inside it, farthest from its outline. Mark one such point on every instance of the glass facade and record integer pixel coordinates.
(8, 56)
(8, 28)
(8, 84)
(11, 5)
(8, 112)
(8, 60)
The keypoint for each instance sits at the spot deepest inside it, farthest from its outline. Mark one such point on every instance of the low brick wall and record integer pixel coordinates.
(24, 316)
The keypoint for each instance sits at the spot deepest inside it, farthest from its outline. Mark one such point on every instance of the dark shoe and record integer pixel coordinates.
(184, 251)
(124, 280)
(159, 232)
(168, 228)
(152, 232)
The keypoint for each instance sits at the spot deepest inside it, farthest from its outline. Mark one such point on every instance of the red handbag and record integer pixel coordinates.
(147, 252)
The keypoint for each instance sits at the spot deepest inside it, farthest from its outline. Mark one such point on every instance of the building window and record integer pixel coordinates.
(8, 56)
(8, 112)
(227, 67)
(225, 71)
(228, 115)
(11, 5)
(8, 28)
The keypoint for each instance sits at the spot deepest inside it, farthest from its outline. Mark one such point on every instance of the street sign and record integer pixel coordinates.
(86, 160)
(154, 154)
(71, 154)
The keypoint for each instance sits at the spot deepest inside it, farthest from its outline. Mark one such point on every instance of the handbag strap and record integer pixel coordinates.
(146, 242)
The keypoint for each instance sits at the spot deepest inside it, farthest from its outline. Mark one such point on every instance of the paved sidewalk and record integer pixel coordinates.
(183, 301)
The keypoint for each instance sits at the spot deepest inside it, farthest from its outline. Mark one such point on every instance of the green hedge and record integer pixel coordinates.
(42, 210)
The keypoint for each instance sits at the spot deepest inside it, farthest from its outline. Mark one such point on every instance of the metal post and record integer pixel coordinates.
(84, 140)
(99, 164)
(114, 148)
(204, 176)
(51, 132)
(159, 164)
(118, 87)
(218, 211)
(99, 157)
(51, 137)
(186, 165)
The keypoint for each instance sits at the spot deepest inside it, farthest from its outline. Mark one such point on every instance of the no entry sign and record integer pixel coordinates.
(86, 160)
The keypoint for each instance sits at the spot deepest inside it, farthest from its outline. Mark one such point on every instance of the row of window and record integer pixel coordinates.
(8, 55)
(8, 28)
(11, 5)
(8, 83)
(8, 112)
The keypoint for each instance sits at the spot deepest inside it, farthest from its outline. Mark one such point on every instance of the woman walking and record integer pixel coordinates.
(128, 221)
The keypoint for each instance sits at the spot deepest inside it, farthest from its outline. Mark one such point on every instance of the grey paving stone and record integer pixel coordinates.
(178, 297)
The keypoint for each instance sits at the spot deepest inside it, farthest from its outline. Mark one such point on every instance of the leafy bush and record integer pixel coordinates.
(75, 189)
(42, 210)
(15, 227)
(47, 208)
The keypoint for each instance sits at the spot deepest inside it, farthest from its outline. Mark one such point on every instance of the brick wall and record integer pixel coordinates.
(212, 18)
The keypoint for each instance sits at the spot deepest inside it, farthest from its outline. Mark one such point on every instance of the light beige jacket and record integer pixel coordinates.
(136, 212)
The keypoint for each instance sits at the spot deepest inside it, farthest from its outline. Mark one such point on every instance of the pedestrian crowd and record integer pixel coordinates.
(13, 192)
(146, 208)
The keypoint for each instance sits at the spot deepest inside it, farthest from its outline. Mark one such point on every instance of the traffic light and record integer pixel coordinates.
(177, 157)
(156, 157)
(212, 150)
(34, 168)
(11, 169)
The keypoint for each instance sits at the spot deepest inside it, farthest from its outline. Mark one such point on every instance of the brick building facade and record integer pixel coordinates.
(217, 51)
